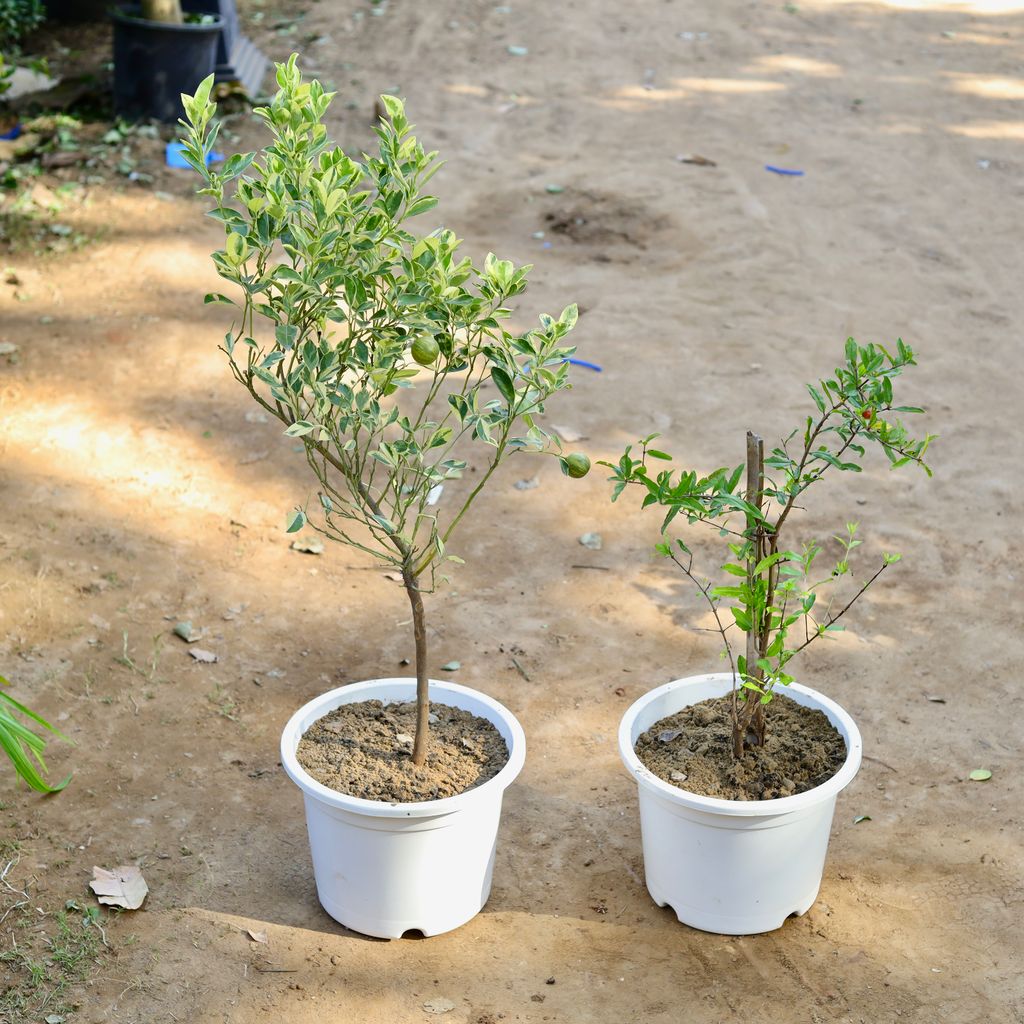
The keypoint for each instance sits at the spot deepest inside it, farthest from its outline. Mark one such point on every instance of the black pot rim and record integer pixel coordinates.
(123, 15)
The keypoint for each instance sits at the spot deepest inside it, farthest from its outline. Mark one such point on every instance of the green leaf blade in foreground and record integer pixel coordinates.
(24, 748)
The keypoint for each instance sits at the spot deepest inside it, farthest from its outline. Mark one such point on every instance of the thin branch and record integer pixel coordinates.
(832, 619)
(705, 590)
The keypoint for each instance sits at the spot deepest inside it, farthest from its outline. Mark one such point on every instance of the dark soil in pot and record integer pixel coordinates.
(365, 750)
(692, 749)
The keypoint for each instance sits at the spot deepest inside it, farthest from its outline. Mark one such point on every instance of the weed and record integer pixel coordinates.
(41, 969)
(227, 706)
(149, 672)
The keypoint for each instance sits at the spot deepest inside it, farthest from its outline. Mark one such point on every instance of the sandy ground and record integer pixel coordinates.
(137, 493)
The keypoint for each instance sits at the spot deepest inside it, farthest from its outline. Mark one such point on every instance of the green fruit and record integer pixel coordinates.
(425, 350)
(576, 465)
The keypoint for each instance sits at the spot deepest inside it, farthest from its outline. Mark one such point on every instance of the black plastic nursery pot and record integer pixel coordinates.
(154, 63)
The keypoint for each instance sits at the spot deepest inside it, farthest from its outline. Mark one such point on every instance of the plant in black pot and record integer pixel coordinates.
(160, 53)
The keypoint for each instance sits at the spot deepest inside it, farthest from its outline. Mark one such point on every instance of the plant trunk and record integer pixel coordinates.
(748, 729)
(163, 10)
(419, 748)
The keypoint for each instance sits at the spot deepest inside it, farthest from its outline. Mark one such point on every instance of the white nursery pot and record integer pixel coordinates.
(385, 868)
(732, 866)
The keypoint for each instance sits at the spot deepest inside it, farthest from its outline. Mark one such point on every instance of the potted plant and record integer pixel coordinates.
(160, 53)
(384, 351)
(737, 783)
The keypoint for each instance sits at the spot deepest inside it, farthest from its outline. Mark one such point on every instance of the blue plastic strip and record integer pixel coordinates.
(175, 159)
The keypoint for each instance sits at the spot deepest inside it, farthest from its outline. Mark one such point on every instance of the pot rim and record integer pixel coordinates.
(121, 14)
(841, 719)
(319, 706)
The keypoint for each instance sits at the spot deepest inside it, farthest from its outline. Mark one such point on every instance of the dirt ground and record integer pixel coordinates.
(139, 490)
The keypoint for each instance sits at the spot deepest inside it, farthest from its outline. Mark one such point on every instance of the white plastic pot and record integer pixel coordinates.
(386, 868)
(732, 866)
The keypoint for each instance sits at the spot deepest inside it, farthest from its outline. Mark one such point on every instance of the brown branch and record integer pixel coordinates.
(832, 619)
(705, 590)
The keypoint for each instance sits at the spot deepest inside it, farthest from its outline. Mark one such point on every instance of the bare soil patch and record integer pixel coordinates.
(139, 491)
(603, 222)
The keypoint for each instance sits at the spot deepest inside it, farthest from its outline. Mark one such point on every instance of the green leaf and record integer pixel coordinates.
(742, 618)
(38, 719)
(299, 428)
(296, 521)
(384, 522)
(504, 384)
(24, 748)
(215, 298)
(393, 106)
(238, 164)
(767, 562)
(980, 775)
(421, 205)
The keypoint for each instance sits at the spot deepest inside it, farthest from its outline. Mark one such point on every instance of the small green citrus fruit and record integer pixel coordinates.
(425, 350)
(576, 465)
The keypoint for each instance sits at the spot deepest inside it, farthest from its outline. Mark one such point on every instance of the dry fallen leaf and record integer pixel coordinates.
(207, 657)
(256, 936)
(308, 547)
(123, 887)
